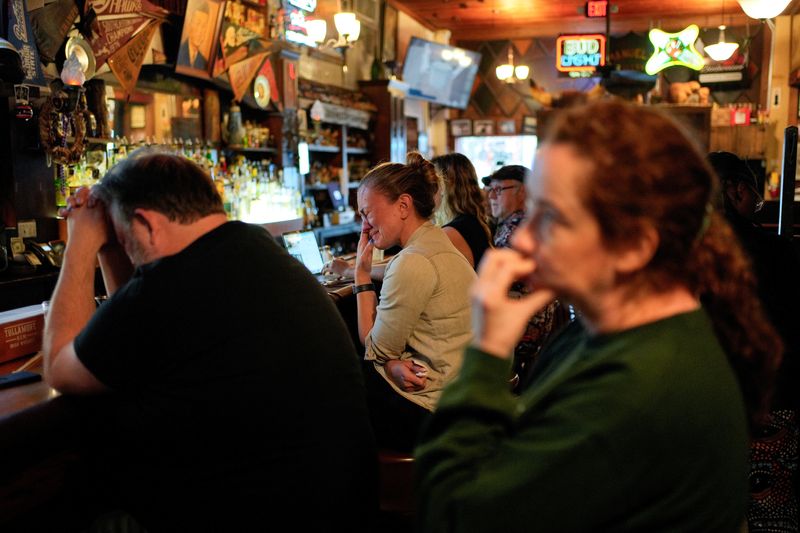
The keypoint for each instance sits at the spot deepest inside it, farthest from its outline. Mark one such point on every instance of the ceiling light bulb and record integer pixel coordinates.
(521, 72)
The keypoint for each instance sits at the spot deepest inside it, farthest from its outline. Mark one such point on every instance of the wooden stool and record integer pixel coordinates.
(396, 482)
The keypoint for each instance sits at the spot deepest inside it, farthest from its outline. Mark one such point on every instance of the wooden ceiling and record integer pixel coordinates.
(484, 20)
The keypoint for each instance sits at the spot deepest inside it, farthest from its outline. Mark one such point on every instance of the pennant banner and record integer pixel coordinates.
(113, 36)
(51, 25)
(126, 63)
(19, 33)
(267, 72)
(108, 8)
(242, 73)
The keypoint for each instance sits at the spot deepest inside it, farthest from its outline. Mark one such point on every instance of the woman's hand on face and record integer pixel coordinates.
(407, 375)
(498, 320)
(363, 266)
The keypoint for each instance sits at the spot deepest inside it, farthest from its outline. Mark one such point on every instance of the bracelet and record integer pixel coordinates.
(363, 288)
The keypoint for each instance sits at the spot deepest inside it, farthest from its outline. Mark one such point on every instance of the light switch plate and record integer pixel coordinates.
(26, 228)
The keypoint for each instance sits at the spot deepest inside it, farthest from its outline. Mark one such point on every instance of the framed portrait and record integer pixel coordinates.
(460, 127)
(197, 50)
(389, 44)
(484, 127)
(529, 125)
(507, 127)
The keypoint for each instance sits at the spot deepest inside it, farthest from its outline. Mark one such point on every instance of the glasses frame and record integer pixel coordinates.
(499, 189)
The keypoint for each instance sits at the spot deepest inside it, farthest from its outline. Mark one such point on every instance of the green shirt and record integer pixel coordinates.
(642, 430)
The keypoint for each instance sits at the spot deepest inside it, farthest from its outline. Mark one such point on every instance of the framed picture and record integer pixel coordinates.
(507, 127)
(529, 125)
(200, 29)
(484, 127)
(389, 44)
(460, 127)
(138, 116)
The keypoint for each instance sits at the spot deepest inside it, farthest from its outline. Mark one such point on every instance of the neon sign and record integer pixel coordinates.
(674, 49)
(580, 53)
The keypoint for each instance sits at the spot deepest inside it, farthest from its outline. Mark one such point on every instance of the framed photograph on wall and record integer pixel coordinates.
(389, 44)
(529, 125)
(460, 127)
(484, 127)
(507, 127)
(199, 37)
(138, 116)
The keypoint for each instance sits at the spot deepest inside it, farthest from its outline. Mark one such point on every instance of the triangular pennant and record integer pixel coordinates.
(113, 36)
(243, 72)
(126, 63)
(267, 72)
(105, 9)
(19, 33)
(51, 25)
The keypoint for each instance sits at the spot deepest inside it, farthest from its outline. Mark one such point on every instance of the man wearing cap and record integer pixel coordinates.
(506, 191)
(775, 265)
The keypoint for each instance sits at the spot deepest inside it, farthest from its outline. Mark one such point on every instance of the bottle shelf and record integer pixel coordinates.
(260, 150)
(357, 151)
(323, 148)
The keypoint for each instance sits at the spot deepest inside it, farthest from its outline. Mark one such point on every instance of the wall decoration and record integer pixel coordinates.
(674, 49)
(200, 30)
(529, 125)
(389, 45)
(484, 127)
(138, 116)
(460, 127)
(507, 127)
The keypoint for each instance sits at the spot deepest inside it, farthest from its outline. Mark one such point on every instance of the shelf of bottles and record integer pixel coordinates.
(252, 189)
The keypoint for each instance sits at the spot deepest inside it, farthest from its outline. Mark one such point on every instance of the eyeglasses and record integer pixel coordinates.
(498, 190)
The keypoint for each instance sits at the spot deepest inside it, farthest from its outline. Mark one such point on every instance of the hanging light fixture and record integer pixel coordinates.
(510, 73)
(721, 51)
(347, 25)
(763, 9)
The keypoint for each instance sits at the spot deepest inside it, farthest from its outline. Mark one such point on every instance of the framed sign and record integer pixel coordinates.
(200, 29)
(460, 127)
(484, 127)
(507, 127)
(529, 125)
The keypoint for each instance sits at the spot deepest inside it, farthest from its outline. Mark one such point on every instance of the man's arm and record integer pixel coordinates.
(116, 267)
(72, 303)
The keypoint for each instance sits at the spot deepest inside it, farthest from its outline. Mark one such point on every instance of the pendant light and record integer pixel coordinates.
(721, 51)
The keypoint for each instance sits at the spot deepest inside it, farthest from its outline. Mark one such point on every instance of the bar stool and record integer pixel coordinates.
(396, 470)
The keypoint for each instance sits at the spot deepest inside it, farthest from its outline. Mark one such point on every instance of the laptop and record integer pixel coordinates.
(302, 245)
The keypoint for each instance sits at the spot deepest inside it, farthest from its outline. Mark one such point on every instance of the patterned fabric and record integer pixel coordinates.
(502, 235)
(540, 326)
(773, 469)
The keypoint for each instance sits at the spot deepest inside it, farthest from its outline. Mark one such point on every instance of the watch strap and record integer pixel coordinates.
(363, 288)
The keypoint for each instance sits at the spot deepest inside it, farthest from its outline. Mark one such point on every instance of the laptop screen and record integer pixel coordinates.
(302, 245)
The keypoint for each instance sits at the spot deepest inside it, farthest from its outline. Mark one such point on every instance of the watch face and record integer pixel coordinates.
(261, 91)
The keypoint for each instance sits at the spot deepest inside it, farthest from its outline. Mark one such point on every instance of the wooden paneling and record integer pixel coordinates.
(514, 19)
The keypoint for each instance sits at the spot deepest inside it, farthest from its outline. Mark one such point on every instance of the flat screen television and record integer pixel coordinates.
(440, 73)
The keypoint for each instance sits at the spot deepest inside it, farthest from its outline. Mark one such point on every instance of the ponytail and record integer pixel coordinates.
(726, 285)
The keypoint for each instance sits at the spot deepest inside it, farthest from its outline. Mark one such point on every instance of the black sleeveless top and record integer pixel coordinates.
(470, 228)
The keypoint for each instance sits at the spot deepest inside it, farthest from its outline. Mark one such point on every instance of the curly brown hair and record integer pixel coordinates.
(648, 172)
(461, 194)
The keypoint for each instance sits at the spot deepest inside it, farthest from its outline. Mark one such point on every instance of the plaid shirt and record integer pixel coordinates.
(502, 235)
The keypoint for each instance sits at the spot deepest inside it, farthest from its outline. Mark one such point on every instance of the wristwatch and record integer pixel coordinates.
(363, 288)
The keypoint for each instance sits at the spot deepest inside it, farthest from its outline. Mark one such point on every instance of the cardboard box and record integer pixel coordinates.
(21, 332)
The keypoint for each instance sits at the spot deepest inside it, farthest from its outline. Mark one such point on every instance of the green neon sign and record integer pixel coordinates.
(674, 49)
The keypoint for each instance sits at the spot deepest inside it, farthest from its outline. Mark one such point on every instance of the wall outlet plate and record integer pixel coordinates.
(26, 228)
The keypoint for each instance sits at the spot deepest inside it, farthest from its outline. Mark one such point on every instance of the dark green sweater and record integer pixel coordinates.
(643, 430)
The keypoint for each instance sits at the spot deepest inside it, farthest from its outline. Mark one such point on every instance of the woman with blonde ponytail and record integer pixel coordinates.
(638, 413)
(416, 332)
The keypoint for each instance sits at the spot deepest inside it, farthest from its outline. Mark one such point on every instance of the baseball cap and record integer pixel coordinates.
(730, 167)
(508, 172)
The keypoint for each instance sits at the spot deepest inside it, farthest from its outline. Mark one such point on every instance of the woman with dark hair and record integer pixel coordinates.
(461, 212)
(637, 416)
(416, 334)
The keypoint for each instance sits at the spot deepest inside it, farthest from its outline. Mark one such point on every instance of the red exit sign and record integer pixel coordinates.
(596, 8)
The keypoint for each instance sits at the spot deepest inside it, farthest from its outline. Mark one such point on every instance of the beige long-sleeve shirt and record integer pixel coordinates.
(424, 312)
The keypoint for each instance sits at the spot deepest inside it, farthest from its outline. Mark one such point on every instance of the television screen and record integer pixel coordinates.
(440, 73)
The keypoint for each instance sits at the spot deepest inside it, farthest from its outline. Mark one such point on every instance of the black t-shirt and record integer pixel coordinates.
(237, 390)
(470, 228)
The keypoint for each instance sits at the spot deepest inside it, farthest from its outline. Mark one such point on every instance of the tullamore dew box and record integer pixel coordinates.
(20, 332)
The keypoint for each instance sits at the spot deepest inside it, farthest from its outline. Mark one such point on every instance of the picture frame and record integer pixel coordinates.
(507, 126)
(460, 127)
(529, 125)
(483, 127)
(138, 116)
(198, 45)
(389, 34)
